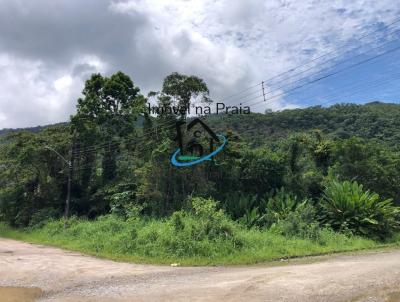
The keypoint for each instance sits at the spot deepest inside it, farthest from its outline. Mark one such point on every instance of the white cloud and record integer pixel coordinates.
(63, 83)
(30, 96)
(47, 50)
(239, 43)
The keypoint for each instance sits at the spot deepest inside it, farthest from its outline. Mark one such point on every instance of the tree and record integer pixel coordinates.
(32, 178)
(372, 164)
(183, 89)
(165, 188)
(262, 171)
(107, 113)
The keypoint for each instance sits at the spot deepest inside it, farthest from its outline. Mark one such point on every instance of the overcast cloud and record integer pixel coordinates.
(48, 47)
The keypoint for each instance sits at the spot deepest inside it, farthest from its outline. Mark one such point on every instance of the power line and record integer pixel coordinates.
(94, 148)
(249, 129)
(155, 130)
(292, 69)
(350, 85)
(301, 79)
(333, 73)
(319, 79)
(377, 84)
(315, 59)
(281, 94)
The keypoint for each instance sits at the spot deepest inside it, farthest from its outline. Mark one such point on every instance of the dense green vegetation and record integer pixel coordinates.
(373, 121)
(200, 236)
(288, 183)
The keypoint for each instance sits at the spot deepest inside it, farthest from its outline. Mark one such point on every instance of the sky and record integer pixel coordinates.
(48, 48)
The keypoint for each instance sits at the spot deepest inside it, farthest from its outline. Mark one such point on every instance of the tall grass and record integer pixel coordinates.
(185, 238)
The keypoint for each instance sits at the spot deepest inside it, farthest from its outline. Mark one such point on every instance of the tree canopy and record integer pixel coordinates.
(120, 157)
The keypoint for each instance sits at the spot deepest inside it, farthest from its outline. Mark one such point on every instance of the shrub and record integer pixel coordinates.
(239, 204)
(41, 217)
(211, 222)
(301, 222)
(252, 218)
(280, 206)
(123, 204)
(347, 207)
(177, 220)
(186, 238)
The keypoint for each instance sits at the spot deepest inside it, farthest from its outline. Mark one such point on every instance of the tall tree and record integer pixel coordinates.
(108, 112)
(183, 89)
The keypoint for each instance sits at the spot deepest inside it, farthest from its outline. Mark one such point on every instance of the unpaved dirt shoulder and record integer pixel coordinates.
(70, 276)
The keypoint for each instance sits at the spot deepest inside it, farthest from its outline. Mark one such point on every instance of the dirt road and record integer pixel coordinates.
(52, 274)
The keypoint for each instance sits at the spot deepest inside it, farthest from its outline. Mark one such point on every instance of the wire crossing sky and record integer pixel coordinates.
(48, 49)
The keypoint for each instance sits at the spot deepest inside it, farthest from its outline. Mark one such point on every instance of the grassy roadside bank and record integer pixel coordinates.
(184, 242)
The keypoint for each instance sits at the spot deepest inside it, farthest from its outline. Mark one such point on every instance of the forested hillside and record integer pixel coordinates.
(30, 129)
(377, 121)
(304, 173)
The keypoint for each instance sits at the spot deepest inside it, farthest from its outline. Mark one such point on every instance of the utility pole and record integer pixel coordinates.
(68, 200)
(69, 165)
(263, 90)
